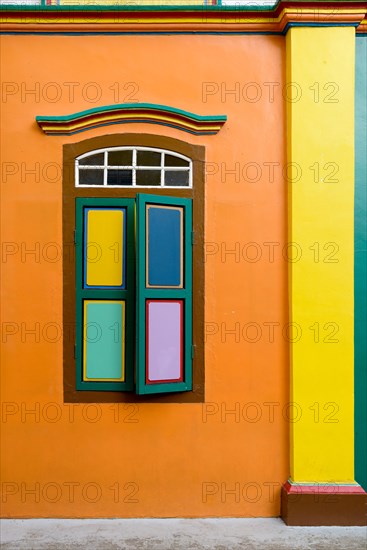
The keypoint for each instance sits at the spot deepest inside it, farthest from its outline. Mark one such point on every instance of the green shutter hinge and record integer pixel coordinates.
(192, 237)
(192, 351)
(74, 236)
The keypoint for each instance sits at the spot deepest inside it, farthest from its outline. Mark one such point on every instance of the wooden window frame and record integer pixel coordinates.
(70, 192)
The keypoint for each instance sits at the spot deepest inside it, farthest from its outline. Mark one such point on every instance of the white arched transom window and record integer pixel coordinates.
(133, 167)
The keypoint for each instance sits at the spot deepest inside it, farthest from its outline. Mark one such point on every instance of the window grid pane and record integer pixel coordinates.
(155, 160)
(94, 159)
(105, 169)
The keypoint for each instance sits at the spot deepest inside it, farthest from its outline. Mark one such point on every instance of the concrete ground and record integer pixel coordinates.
(175, 534)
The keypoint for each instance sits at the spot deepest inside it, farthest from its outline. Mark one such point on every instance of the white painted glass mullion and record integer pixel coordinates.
(163, 160)
(105, 171)
(92, 167)
(156, 168)
(115, 167)
(76, 173)
(134, 166)
(177, 168)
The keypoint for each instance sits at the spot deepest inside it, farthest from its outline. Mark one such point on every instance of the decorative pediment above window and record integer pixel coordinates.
(131, 112)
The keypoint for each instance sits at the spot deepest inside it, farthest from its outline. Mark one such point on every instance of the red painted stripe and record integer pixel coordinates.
(152, 382)
(323, 488)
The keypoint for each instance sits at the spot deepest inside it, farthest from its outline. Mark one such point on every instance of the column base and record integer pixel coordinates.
(323, 504)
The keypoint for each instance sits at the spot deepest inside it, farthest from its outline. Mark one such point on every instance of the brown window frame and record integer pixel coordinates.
(69, 193)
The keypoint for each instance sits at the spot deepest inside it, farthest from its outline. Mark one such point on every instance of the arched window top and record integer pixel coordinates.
(133, 167)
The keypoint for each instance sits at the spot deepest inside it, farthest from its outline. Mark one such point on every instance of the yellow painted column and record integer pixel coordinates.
(320, 135)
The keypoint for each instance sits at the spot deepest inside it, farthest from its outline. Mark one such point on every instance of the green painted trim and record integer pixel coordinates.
(164, 8)
(102, 294)
(144, 293)
(360, 263)
(129, 113)
(129, 107)
(184, 8)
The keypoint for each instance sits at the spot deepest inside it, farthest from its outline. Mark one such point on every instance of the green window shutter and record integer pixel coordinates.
(105, 308)
(163, 294)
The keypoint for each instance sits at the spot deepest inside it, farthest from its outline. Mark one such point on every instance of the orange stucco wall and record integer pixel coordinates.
(159, 460)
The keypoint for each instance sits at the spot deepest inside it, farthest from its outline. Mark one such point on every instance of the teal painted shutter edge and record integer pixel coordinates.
(360, 263)
(143, 294)
(105, 294)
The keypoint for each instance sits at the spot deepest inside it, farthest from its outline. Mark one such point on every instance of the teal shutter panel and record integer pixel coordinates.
(164, 294)
(105, 308)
